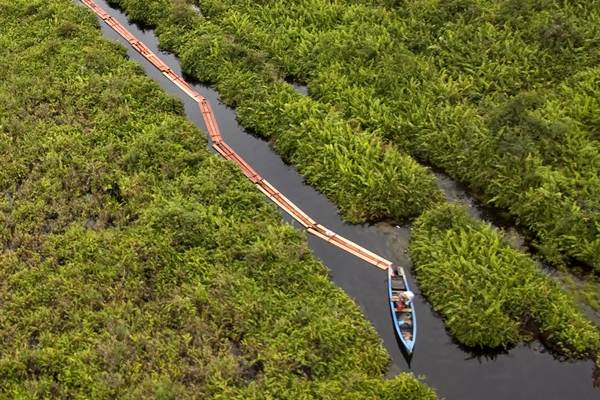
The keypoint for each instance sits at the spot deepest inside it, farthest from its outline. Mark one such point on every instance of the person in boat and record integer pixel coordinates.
(404, 299)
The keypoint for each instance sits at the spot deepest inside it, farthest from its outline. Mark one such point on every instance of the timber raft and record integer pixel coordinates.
(228, 153)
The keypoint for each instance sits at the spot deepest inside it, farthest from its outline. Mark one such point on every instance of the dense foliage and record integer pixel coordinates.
(134, 263)
(488, 292)
(376, 66)
(503, 95)
(368, 180)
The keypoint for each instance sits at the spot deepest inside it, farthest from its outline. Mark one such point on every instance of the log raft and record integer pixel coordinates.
(228, 153)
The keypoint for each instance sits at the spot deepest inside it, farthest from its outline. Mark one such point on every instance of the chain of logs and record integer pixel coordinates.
(228, 153)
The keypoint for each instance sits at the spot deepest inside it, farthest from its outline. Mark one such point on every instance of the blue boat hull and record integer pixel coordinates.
(404, 320)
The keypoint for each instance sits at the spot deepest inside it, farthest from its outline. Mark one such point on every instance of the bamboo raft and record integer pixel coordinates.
(228, 153)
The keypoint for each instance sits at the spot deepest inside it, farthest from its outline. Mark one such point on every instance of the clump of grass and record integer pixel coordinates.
(488, 292)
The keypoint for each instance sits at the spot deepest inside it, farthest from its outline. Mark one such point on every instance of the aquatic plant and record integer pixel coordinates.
(368, 180)
(488, 292)
(470, 87)
(136, 264)
(502, 95)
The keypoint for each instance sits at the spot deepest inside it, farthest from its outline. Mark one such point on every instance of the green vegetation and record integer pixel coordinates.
(132, 262)
(435, 80)
(585, 289)
(502, 95)
(488, 292)
(368, 180)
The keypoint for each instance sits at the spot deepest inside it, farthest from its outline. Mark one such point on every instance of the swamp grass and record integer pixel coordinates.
(227, 46)
(502, 95)
(490, 293)
(368, 180)
(132, 262)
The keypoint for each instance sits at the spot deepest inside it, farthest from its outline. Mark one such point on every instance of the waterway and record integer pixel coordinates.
(525, 372)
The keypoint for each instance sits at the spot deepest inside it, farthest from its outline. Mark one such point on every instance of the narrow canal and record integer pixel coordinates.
(525, 372)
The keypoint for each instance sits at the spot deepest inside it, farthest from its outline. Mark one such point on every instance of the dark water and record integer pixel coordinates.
(302, 89)
(526, 372)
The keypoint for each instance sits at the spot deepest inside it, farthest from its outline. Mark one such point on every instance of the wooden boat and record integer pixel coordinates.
(403, 310)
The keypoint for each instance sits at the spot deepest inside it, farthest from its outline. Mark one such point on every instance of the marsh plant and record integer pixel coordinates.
(501, 95)
(132, 262)
(489, 293)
